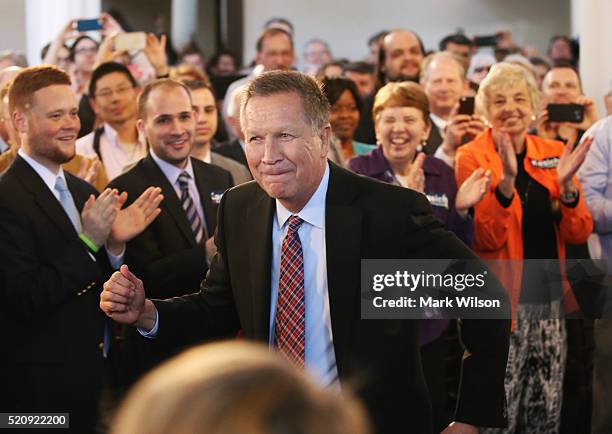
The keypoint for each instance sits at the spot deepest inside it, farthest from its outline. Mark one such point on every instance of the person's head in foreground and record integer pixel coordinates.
(235, 388)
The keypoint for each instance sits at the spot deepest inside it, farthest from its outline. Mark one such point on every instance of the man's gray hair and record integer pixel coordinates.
(314, 103)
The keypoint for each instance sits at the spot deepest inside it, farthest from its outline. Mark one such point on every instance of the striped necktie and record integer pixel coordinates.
(290, 320)
(189, 206)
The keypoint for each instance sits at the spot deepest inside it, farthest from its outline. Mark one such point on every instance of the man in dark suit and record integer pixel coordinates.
(167, 254)
(287, 271)
(56, 240)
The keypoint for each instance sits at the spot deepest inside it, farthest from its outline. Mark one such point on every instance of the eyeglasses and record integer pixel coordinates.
(481, 69)
(93, 50)
(108, 93)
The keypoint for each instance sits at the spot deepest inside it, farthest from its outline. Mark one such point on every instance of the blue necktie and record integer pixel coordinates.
(67, 203)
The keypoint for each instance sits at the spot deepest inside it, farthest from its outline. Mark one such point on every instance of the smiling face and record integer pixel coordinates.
(400, 130)
(286, 157)
(403, 56)
(115, 98)
(50, 126)
(561, 86)
(443, 85)
(344, 116)
(169, 124)
(276, 52)
(510, 108)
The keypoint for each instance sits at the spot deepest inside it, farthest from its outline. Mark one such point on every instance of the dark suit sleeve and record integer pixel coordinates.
(481, 399)
(29, 287)
(210, 313)
(165, 276)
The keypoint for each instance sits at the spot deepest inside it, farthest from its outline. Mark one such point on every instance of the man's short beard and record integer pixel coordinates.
(403, 77)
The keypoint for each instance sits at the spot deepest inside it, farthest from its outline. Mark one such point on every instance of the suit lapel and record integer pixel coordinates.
(171, 201)
(204, 182)
(343, 245)
(259, 215)
(44, 197)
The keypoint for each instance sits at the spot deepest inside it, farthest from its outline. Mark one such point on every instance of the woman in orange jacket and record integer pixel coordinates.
(534, 206)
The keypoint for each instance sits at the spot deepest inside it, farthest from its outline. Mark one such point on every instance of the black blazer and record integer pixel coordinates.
(51, 324)
(166, 256)
(434, 140)
(364, 219)
(233, 150)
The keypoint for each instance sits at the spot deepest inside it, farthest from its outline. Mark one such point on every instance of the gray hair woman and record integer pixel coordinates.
(534, 206)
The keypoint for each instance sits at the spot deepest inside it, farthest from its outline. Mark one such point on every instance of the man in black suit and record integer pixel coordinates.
(167, 254)
(287, 271)
(55, 236)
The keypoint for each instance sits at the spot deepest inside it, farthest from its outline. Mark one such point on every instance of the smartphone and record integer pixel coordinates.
(133, 41)
(88, 25)
(466, 105)
(573, 113)
(485, 40)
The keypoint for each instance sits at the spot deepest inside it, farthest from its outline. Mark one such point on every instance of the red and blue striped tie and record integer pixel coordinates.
(290, 321)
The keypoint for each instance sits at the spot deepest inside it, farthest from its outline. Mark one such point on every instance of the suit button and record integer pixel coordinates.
(101, 345)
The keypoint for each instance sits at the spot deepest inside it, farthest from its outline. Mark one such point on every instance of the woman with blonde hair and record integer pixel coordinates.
(235, 388)
(533, 207)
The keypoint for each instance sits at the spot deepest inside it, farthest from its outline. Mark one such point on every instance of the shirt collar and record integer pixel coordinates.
(313, 212)
(438, 121)
(170, 170)
(47, 176)
(3, 145)
(113, 137)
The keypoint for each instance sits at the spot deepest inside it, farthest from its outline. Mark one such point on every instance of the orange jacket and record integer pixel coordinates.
(498, 230)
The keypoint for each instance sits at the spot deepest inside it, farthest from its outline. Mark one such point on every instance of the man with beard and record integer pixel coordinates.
(56, 240)
(399, 59)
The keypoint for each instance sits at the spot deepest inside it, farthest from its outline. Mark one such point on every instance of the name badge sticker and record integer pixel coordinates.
(440, 200)
(546, 163)
(216, 196)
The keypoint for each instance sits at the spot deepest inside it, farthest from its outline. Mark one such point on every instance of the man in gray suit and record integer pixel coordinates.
(205, 108)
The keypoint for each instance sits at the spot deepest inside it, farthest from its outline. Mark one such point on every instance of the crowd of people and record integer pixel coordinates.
(153, 199)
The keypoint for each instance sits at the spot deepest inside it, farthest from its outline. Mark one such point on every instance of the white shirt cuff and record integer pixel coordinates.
(152, 334)
(116, 261)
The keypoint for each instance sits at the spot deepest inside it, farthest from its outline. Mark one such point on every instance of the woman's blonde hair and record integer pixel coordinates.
(235, 388)
(503, 76)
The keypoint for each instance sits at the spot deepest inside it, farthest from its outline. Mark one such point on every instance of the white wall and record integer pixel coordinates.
(348, 24)
(12, 25)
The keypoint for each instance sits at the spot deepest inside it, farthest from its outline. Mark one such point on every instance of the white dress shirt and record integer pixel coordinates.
(115, 158)
(320, 357)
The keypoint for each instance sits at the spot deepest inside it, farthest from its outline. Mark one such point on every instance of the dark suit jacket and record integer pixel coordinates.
(51, 324)
(166, 255)
(232, 150)
(434, 140)
(364, 219)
